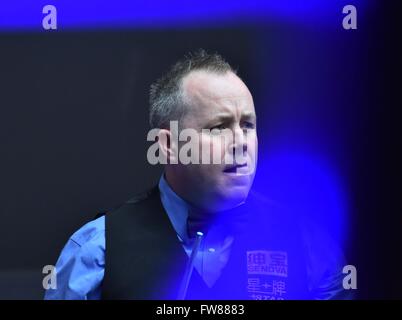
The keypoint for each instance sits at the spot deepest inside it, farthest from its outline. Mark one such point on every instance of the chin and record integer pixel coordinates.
(231, 199)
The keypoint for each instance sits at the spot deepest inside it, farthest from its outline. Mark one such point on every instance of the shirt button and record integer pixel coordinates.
(212, 250)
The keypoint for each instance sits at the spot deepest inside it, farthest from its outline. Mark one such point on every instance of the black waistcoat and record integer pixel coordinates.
(145, 260)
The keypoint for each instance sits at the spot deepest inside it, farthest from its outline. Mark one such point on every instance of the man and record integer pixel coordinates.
(250, 248)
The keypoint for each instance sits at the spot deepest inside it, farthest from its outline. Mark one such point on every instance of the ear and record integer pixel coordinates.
(168, 146)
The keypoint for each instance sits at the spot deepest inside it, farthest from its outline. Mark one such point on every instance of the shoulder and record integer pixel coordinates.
(91, 232)
(135, 209)
(322, 250)
(80, 266)
(140, 197)
(86, 246)
(325, 260)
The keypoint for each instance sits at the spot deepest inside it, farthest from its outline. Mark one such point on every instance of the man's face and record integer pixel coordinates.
(220, 102)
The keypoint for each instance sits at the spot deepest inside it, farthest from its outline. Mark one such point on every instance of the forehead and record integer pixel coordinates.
(209, 93)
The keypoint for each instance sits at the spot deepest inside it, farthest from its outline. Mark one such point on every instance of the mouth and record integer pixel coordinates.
(236, 169)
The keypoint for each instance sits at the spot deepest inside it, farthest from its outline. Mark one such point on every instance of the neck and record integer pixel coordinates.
(177, 186)
(197, 200)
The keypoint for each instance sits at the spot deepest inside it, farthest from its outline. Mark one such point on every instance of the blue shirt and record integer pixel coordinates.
(81, 265)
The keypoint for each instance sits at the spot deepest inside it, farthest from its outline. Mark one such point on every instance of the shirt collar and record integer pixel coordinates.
(176, 208)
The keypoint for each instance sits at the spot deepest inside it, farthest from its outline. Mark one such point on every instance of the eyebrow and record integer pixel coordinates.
(227, 116)
(249, 115)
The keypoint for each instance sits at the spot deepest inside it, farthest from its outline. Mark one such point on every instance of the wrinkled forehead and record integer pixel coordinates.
(208, 94)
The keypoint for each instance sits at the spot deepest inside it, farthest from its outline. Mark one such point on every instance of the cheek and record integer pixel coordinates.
(252, 150)
(205, 143)
(214, 144)
(252, 145)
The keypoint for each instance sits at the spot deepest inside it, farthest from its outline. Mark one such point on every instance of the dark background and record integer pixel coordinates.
(74, 119)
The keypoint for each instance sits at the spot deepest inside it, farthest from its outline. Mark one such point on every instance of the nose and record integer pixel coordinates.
(238, 147)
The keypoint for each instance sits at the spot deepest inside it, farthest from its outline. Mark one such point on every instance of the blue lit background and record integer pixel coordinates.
(305, 76)
(26, 14)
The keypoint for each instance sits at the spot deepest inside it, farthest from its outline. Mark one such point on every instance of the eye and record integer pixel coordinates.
(248, 125)
(219, 127)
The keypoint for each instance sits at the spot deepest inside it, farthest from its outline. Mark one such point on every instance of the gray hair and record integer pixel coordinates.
(167, 100)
